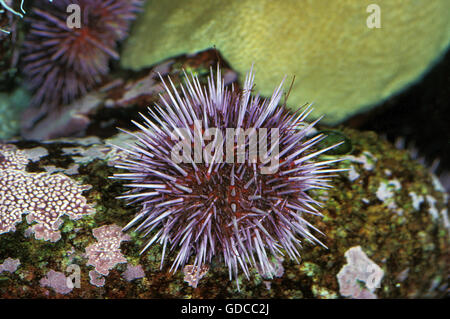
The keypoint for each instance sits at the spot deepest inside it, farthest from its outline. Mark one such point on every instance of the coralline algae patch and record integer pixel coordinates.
(51, 203)
(12, 158)
(133, 272)
(82, 244)
(100, 150)
(57, 281)
(360, 277)
(44, 198)
(105, 253)
(193, 274)
(10, 265)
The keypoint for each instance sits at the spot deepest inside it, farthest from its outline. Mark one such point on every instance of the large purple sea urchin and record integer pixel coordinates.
(221, 207)
(63, 61)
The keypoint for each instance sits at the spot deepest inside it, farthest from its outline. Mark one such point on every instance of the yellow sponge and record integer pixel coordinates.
(340, 64)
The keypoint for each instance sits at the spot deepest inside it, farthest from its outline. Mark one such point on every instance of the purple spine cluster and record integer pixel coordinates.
(217, 208)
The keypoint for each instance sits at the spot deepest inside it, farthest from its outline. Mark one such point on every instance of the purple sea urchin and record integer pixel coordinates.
(224, 206)
(63, 61)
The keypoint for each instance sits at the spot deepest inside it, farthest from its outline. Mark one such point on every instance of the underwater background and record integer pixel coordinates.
(72, 72)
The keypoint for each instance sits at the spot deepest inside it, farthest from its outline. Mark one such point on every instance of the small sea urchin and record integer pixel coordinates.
(225, 206)
(63, 61)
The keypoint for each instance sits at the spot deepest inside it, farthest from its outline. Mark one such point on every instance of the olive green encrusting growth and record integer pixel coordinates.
(340, 63)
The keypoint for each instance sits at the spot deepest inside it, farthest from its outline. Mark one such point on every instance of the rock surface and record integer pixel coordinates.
(386, 204)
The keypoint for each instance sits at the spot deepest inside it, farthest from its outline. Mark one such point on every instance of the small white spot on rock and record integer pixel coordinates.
(386, 189)
(366, 158)
(432, 203)
(35, 154)
(352, 174)
(417, 200)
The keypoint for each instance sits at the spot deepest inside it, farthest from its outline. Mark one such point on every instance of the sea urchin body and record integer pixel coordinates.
(64, 60)
(217, 204)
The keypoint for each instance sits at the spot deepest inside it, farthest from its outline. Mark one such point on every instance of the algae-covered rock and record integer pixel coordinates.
(346, 55)
(385, 224)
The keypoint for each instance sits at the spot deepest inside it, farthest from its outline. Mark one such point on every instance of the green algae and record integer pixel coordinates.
(334, 137)
(11, 107)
